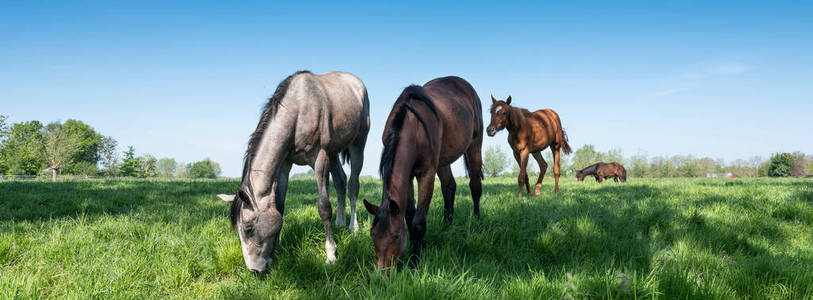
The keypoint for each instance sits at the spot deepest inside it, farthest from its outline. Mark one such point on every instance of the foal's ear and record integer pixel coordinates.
(227, 198)
(371, 208)
(493, 100)
(508, 101)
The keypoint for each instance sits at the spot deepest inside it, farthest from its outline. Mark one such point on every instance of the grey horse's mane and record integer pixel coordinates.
(269, 111)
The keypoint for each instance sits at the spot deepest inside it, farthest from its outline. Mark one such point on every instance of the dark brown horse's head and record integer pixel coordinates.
(499, 115)
(388, 233)
(580, 176)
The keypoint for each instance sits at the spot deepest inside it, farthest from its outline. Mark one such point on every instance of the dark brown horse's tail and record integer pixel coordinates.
(623, 174)
(345, 156)
(563, 144)
(468, 172)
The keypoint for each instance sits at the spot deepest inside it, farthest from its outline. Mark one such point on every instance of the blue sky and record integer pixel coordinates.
(187, 79)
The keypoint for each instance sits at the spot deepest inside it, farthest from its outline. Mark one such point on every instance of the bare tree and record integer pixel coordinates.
(59, 146)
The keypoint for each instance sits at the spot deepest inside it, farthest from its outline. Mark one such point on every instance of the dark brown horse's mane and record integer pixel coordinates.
(269, 111)
(391, 142)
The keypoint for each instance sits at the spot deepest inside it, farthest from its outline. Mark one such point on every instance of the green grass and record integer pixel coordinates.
(671, 238)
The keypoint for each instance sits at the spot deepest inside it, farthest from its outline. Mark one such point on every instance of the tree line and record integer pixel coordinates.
(796, 164)
(75, 148)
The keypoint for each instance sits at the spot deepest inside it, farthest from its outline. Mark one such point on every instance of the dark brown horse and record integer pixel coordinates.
(428, 128)
(528, 134)
(603, 171)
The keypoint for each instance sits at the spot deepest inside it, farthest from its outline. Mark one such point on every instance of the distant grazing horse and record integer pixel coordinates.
(310, 120)
(528, 134)
(428, 128)
(603, 171)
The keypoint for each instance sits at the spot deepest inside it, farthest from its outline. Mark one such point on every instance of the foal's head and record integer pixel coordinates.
(388, 233)
(499, 115)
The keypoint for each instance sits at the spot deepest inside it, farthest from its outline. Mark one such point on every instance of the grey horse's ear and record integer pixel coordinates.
(508, 101)
(371, 208)
(227, 198)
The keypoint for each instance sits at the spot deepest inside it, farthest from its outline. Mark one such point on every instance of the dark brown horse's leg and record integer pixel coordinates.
(448, 187)
(475, 177)
(556, 169)
(543, 168)
(426, 185)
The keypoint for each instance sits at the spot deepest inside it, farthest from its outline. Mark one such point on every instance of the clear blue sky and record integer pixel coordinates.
(187, 80)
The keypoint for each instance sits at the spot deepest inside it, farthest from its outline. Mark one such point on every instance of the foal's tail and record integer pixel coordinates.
(563, 144)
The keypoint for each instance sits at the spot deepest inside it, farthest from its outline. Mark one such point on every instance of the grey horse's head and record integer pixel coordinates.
(258, 224)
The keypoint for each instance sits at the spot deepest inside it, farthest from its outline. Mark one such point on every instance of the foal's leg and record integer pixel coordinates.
(356, 161)
(339, 183)
(523, 172)
(426, 185)
(556, 171)
(475, 177)
(448, 186)
(543, 167)
(320, 169)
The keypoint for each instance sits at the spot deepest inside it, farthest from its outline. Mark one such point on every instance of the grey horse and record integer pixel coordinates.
(310, 120)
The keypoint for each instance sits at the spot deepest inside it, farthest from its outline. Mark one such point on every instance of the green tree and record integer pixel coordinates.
(90, 144)
(109, 157)
(131, 165)
(148, 165)
(638, 166)
(780, 165)
(614, 155)
(3, 162)
(167, 167)
(687, 166)
(585, 156)
(58, 147)
(183, 170)
(495, 161)
(21, 149)
(204, 169)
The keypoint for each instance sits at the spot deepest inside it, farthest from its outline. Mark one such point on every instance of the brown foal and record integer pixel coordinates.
(528, 134)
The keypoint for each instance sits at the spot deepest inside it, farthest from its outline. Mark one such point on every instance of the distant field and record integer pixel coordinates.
(671, 238)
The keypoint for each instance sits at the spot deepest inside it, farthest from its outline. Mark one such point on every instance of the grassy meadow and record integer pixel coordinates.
(648, 238)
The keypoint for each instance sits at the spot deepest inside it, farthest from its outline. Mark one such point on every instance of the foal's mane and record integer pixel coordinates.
(401, 106)
(269, 111)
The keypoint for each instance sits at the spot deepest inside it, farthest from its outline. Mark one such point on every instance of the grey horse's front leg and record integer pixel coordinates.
(320, 169)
